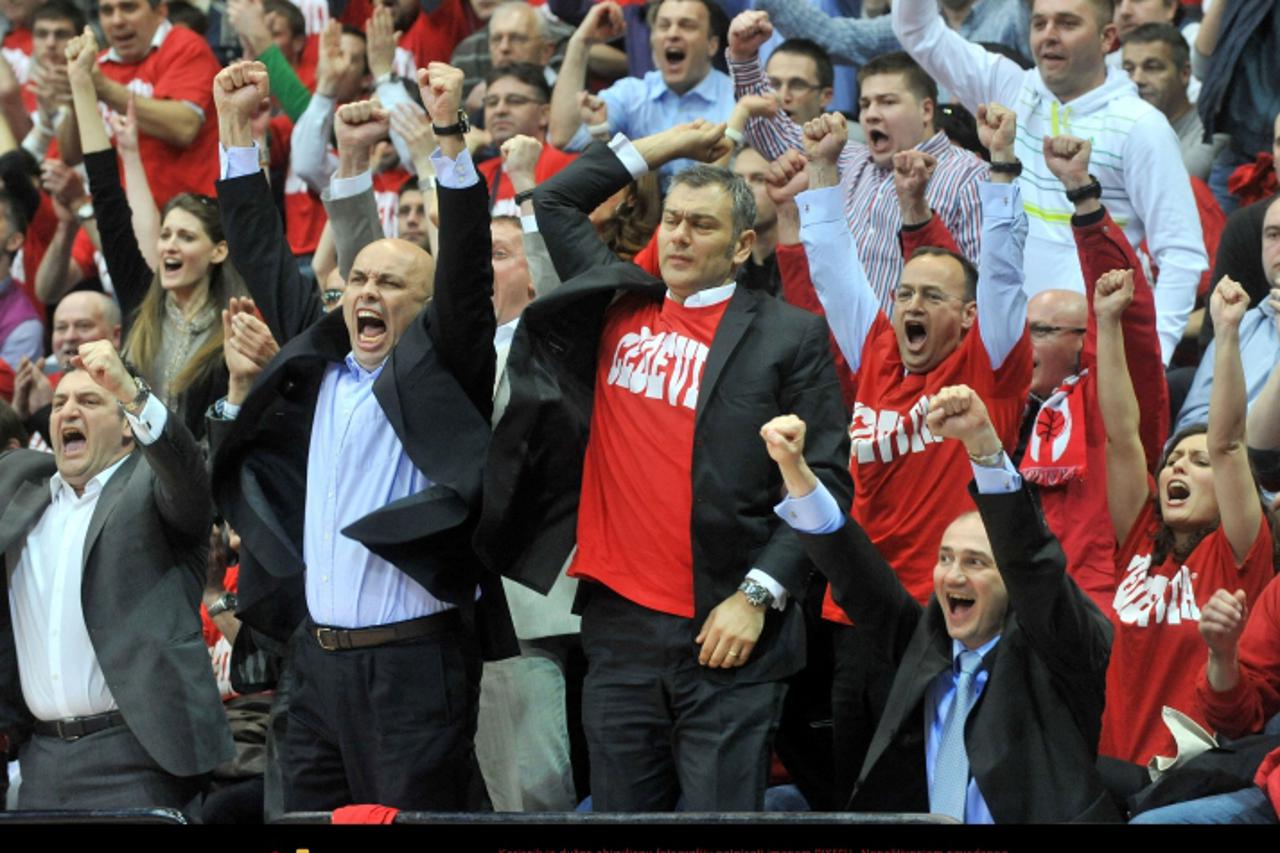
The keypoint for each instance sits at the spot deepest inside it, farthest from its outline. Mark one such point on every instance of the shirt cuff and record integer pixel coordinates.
(999, 201)
(821, 205)
(997, 481)
(224, 410)
(529, 223)
(238, 162)
(149, 424)
(454, 174)
(630, 157)
(816, 512)
(347, 187)
(777, 590)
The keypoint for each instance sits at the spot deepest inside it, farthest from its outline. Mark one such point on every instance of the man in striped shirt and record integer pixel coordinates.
(896, 105)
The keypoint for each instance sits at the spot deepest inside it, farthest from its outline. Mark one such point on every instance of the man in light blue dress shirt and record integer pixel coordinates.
(1017, 743)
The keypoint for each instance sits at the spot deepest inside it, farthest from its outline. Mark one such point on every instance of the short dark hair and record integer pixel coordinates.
(970, 271)
(61, 10)
(917, 79)
(526, 72)
(741, 199)
(1168, 34)
(11, 427)
(410, 185)
(13, 211)
(291, 14)
(813, 50)
(188, 15)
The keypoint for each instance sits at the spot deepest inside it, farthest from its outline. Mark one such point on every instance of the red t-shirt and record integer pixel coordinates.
(430, 38)
(17, 47)
(386, 194)
(1157, 648)
(550, 161)
(1245, 709)
(181, 69)
(908, 484)
(6, 382)
(637, 490)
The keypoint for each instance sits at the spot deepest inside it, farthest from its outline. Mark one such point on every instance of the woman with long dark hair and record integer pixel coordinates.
(1197, 527)
(173, 329)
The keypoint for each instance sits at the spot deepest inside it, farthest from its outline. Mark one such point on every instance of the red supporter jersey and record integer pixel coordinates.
(908, 484)
(430, 38)
(637, 490)
(181, 69)
(1157, 648)
(550, 161)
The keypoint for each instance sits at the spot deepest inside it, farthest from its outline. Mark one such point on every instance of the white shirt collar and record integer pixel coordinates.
(710, 296)
(156, 40)
(91, 488)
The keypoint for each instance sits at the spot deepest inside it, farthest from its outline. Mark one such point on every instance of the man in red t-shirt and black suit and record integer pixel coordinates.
(687, 617)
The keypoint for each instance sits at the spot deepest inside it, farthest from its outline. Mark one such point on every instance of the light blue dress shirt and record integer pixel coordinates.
(1259, 354)
(642, 107)
(817, 512)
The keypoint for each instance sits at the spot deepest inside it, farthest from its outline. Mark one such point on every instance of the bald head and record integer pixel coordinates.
(390, 282)
(83, 316)
(1058, 319)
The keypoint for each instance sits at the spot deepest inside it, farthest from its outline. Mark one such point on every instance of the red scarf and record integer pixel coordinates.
(1056, 450)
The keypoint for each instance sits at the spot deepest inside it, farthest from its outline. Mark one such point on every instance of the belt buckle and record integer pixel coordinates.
(63, 732)
(328, 639)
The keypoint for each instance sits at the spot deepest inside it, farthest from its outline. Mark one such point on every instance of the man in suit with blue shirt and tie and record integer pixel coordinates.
(1006, 665)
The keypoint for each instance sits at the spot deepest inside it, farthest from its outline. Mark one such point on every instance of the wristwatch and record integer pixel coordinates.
(134, 406)
(1007, 168)
(458, 128)
(757, 594)
(227, 603)
(85, 212)
(1093, 189)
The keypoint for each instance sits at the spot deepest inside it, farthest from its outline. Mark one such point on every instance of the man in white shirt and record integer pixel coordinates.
(106, 694)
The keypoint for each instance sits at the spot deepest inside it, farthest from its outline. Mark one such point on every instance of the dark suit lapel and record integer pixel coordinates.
(26, 507)
(737, 317)
(107, 501)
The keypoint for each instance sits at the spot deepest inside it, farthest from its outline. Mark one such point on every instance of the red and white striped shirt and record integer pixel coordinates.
(870, 201)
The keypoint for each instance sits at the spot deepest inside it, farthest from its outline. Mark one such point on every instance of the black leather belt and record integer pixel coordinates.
(336, 639)
(74, 728)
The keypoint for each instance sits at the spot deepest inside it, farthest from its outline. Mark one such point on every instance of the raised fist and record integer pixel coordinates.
(997, 127)
(240, 89)
(440, 85)
(101, 361)
(1222, 621)
(958, 412)
(825, 137)
(747, 32)
(1112, 294)
(603, 23)
(1228, 303)
(361, 124)
(1068, 159)
(788, 177)
(911, 172)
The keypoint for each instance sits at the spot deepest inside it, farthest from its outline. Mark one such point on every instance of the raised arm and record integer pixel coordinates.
(848, 40)
(1233, 483)
(142, 204)
(972, 74)
(862, 583)
(1102, 247)
(1127, 484)
(349, 201)
(1060, 622)
(255, 235)
(774, 134)
(519, 160)
(1002, 301)
(309, 145)
(921, 227)
(602, 24)
(1239, 689)
(130, 274)
(847, 299)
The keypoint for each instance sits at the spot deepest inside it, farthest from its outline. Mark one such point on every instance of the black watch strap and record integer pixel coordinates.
(458, 128)
(1093, 189)
(1014, 168)
(523, 196)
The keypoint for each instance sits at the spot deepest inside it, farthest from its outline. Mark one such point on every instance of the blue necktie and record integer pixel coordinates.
(950, 782)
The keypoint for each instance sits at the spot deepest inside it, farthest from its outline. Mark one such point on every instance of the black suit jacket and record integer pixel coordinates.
(1032, 737)
(436, 391)
(144, 570)
(767, 359)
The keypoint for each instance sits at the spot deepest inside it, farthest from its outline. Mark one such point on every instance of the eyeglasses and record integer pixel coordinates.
(932, 296)
(795, 85)
(1042, 331)
(492, 101)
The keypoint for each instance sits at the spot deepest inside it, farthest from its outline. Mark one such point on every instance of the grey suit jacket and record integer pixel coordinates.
(144, 569)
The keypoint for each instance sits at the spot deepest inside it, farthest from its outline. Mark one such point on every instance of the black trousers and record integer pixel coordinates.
(392, 725)
(860, 685)
(659, 725)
